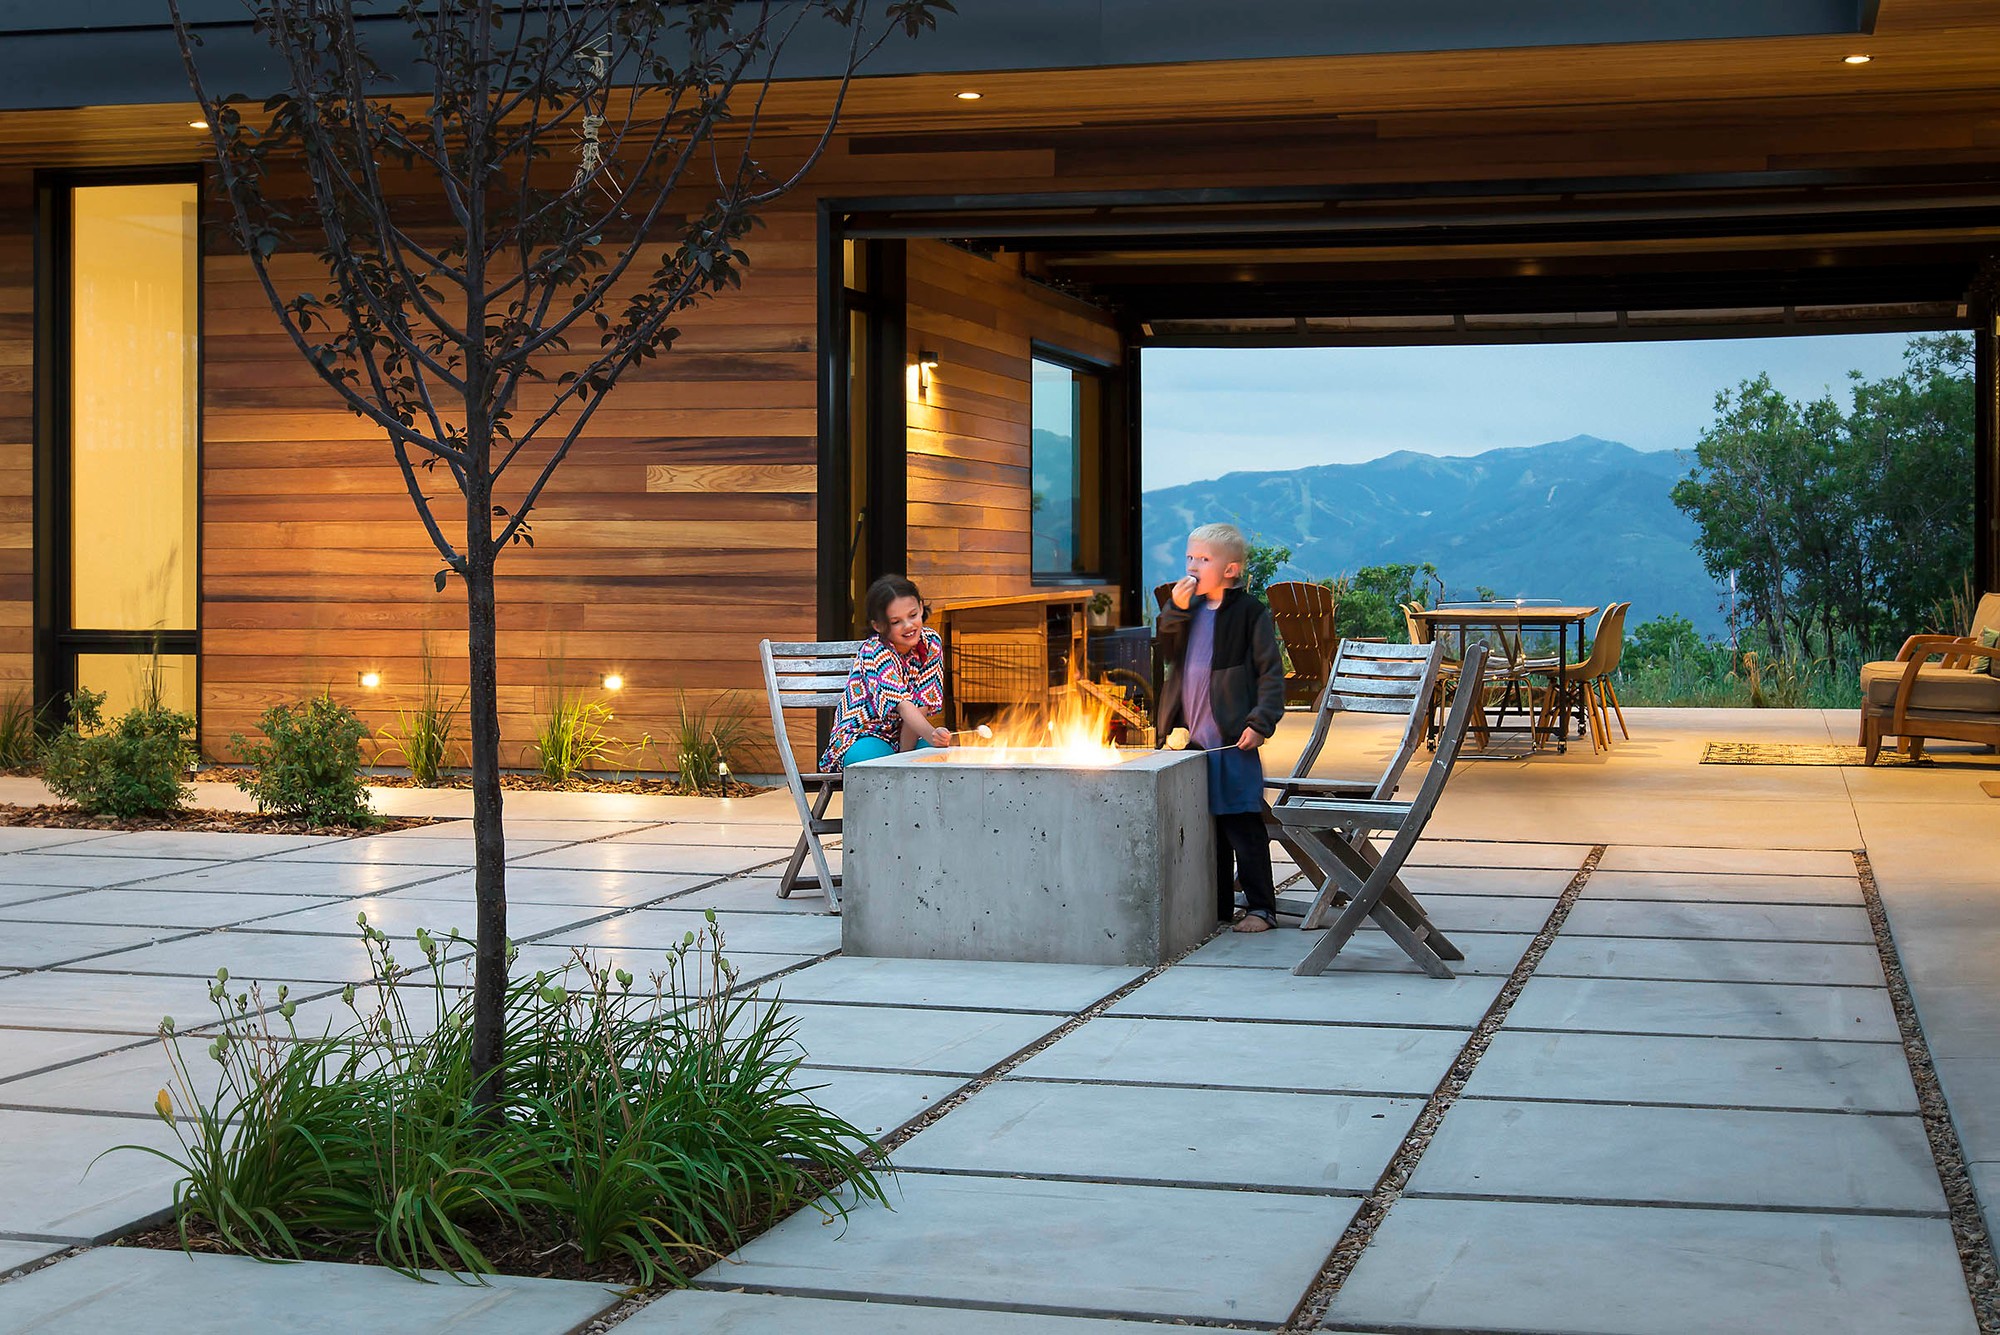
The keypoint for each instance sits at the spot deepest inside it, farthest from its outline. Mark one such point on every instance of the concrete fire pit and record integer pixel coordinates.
(950, 857)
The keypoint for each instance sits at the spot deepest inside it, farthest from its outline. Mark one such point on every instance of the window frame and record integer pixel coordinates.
(1096, 569)
(57, 642)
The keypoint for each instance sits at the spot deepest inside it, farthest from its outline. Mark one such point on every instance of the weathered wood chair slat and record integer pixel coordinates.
(807, 676)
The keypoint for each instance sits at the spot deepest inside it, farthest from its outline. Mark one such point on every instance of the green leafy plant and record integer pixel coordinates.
(135, 767)
(424, 735)
(572, 736)
(649, 1127)
(310, 766)
(705, 741)
(20, 731)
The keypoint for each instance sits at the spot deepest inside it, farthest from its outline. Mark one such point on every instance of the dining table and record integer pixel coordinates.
(1504, 626)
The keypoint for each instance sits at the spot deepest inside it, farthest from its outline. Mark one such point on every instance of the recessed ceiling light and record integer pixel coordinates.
(1856, 59)
(969, 96)
(197, 125)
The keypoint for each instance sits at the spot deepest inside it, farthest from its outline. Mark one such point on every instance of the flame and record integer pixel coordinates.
(1073, 729)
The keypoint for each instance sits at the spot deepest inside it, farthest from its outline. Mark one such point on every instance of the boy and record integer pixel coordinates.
(1224, 694)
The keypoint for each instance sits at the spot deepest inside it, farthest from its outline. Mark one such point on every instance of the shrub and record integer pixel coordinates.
(423, 735)
(20, 731)
(311, 766)
(704, 747)
(572, 736)
(136, 767)
(648, 1128)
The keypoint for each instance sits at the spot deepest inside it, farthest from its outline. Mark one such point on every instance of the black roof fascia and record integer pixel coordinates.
(108, 52)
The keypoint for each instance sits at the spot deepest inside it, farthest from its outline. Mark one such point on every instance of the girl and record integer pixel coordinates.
(896, 683)
(1225, 692)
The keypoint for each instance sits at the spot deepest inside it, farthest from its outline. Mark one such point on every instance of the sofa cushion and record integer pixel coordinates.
(1988, 663)
(1986, 616)
(1936, 688)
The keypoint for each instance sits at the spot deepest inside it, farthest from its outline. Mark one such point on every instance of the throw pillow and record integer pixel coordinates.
(1988, 639)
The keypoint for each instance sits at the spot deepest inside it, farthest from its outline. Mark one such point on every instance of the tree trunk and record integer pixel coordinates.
(489, 978)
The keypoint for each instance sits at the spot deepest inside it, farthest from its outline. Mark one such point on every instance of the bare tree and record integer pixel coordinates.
(480, 212)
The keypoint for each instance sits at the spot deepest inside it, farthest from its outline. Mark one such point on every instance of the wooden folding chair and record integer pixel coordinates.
(1367, 677)
(1304, 617)
(1336, 833)
(807, 675)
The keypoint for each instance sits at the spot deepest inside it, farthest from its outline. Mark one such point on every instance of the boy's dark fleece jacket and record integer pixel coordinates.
(1246, 677)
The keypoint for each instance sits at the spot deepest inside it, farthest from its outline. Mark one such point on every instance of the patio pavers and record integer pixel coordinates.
(1723, 922)
(126, 1005)
(248, 953)
(1766, 861)
(23, 838)
(1083, 1247)
(742, 894)
(152, 908)
(875, 1103)
(1849, 965)
(14, 1255)
(81, 868)
(1495, 853)
(302, 878)
(383, 851)
(59, 1188)
(717, 1312)
(1370, 950)
(1530, 882)
(544, 885)
(1334, 998)
(612, 855)
(1693, 1156)
(401, 916)
(1728, 889)
(1330, 1143)
(126, 1081)
(1734, 1010)
(957, 984)
(37, 945)
(898, 1038)
(23, 1051)
(654, 929)
(1521, 1266)
(220, 846)
(1248, 1055)
(1723, 1072)
(28, 894)
(121, 1288)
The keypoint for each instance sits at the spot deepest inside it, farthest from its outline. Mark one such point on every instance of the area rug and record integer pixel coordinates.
(1795, 753)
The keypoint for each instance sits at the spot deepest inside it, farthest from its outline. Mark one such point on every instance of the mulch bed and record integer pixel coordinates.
(522, 783)
(197, 821)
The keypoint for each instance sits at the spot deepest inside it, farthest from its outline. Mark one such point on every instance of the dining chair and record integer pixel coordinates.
(1584, 682)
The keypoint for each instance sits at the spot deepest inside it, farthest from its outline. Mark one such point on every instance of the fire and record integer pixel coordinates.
(1074, 729)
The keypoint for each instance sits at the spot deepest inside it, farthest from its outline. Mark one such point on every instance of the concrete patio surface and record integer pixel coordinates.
(1697, 1113)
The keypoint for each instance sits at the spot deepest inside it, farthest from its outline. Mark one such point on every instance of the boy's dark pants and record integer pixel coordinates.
(1243, 852)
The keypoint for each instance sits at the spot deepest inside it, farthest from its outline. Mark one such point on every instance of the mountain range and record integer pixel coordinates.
(1581, 520)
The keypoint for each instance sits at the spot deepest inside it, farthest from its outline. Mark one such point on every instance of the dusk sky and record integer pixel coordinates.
(1211, 411)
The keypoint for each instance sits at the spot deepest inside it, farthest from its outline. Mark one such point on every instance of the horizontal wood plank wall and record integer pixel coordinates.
(17, 433)
(679, 532)
(969, 493)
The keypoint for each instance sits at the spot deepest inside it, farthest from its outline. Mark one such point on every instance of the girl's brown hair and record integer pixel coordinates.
(886, 590)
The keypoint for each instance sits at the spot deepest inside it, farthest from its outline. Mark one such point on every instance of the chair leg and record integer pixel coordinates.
(1612, 691)
(1871, 738)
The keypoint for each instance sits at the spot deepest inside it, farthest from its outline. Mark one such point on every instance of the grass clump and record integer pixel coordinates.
(310, 765)
(572, 736)
(135, 767)
(705, 741)
(646, 1128)
(20, 731)
(425, 735)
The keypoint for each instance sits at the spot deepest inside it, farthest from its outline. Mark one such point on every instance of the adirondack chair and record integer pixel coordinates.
(1304, 616)
(1337, 830)
(807, 675)
(1367, 677)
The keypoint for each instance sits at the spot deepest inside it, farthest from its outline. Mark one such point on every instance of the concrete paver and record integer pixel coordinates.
(1848, 965)
(1692, 1156)
(59, 1188)
(1084, 1247)
(1136, 1133)
(121, 1288)
(958, 984)
(270, 876)
(37, 945)
(704, 1312)
(659, 929)
(80, 868)
(26, 1050)
(898, 1038)
(1724, 1072)
(875, 1103)
(1352, 1058)
(1367, 951)
(1722, 922)
(1723, 888)
(143, 908)
(1740, 1010)
(1332, 998)
(1817, 861)
(1516, 1266)
(617, 856)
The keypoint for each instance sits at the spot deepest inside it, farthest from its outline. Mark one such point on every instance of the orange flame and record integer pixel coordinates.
(1074, 728)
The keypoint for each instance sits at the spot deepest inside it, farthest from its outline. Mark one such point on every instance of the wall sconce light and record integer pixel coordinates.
(927, 365)
(369, 680)
(613, 682)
